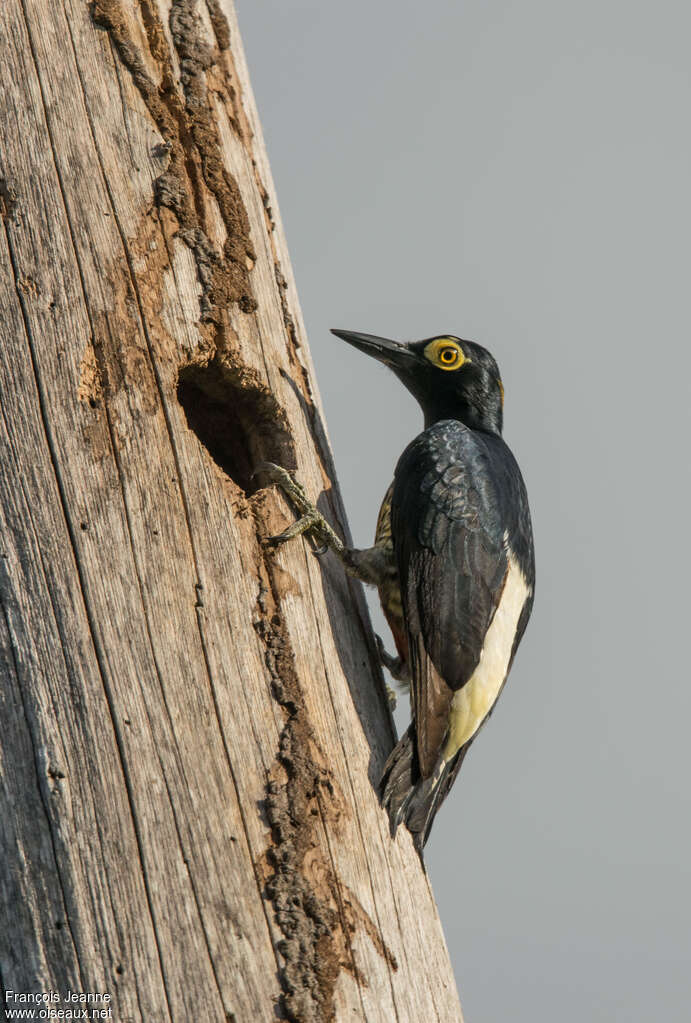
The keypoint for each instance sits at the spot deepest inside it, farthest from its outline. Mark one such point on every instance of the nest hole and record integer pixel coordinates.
(237, 419)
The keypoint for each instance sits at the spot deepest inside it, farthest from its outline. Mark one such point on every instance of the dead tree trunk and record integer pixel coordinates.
(191, 726)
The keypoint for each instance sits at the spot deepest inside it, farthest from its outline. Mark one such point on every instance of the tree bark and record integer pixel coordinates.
(193, 725)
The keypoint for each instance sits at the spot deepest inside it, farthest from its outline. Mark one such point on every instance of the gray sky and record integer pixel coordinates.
(519, 174)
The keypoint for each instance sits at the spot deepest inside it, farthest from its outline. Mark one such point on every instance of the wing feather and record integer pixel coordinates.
(449, 538)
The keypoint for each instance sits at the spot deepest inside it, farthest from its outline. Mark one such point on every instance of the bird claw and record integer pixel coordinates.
(291, 488)
(300, 526)
(310, 521)
(396, 666)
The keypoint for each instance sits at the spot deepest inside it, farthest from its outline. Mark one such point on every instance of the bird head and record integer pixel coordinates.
(449, 378)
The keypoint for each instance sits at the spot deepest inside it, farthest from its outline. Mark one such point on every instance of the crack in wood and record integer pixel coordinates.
(307, 920)
(318, 916)
(8, 201)
(195, 58)
(230, 89)
(219, 23)
(189, 129)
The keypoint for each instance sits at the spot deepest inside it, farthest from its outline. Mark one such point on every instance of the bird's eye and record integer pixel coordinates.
(445, 353)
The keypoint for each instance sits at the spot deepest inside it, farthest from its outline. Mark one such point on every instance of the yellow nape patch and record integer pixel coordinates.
(474, 701)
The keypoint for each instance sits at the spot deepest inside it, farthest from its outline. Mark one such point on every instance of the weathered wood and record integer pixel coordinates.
(193, 725)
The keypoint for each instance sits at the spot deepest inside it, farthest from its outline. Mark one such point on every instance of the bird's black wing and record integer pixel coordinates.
(450, 515)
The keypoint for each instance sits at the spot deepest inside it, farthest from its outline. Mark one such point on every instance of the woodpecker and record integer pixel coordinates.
(453, 560)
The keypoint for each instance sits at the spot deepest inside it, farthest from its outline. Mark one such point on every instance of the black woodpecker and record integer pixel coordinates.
(453, 561)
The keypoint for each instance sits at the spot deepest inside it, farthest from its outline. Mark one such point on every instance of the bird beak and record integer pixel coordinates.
(392, 353)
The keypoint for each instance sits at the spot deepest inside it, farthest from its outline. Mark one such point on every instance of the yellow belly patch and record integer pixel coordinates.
(472, 703)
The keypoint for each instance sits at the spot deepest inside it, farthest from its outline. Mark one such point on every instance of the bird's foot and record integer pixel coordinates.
(311, 521)
(392, 697)
(396, 667)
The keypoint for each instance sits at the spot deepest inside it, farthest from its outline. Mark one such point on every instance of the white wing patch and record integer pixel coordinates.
(472, 703)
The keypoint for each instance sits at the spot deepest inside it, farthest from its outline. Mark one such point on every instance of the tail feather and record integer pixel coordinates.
(410, 798)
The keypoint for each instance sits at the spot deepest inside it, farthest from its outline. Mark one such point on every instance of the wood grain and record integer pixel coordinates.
(193, 724)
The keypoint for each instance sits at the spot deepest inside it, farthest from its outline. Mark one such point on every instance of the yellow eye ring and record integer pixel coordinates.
(445, 353)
